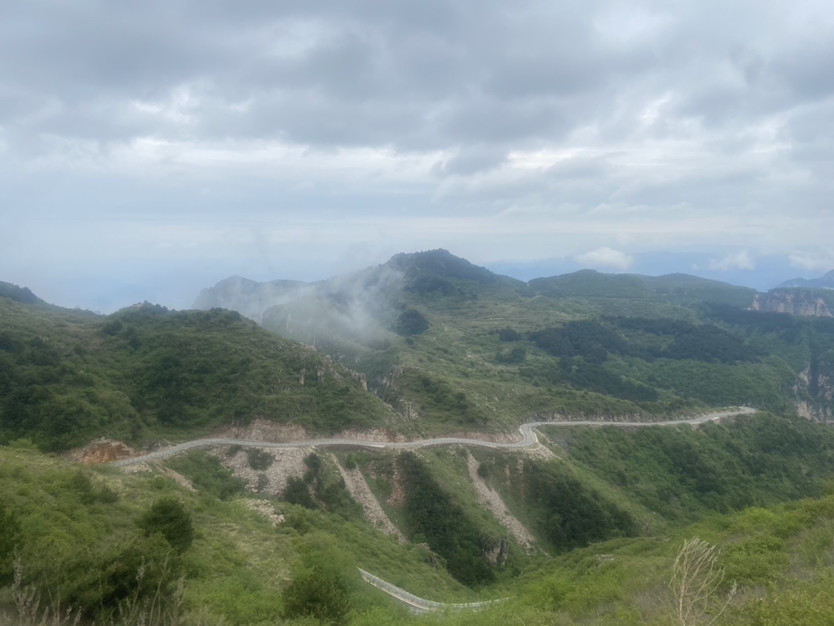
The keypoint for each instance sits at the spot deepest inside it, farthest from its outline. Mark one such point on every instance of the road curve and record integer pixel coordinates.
(415, 603)
(528, 438)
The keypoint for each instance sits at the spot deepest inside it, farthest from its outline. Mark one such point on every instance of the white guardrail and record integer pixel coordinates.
(416, 603)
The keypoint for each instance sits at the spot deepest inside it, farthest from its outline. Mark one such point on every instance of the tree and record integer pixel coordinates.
(169, 518)
(296, 492)
(411, 322)
(320, 587)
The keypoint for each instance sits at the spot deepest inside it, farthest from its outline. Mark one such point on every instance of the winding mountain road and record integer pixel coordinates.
(528, 437)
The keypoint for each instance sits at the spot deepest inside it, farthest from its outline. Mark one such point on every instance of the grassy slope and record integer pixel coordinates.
(238, 565)
(235, 569)
(503, 381)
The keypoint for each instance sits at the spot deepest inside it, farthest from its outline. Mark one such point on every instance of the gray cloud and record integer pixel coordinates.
(609, 120)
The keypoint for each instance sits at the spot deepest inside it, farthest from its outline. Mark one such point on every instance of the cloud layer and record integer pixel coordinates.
(275, 139)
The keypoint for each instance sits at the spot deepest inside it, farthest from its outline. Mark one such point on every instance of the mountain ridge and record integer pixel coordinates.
(426, 270)
(447, 342)
(825, 281)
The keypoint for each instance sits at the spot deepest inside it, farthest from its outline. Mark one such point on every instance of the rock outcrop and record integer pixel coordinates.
(794, 301)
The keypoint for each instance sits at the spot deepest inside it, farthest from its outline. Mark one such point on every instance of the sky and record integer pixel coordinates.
(149, 150)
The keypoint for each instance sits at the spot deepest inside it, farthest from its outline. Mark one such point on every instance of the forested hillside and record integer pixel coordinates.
(145, 374)
(451, 345)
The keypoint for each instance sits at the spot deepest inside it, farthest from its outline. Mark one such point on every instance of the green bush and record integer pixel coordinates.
(296, 492)
(411, 322)
(169, 518)
(320, 586)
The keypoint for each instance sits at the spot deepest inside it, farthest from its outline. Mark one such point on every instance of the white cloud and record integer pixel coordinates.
(734, 261)
(822, 260)
(606, 258)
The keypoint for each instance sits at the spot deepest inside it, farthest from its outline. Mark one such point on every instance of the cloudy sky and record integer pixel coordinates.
(150, 149)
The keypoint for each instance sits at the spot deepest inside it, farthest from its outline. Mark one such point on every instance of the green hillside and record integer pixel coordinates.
(453, 346)
(145, 374)
(583, 528)
(609, 512)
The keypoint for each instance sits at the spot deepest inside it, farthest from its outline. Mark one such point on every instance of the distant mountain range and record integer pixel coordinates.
(431, 270)
(824, 282)
(451, 344)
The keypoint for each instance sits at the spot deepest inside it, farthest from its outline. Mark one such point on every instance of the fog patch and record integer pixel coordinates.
(359, 307)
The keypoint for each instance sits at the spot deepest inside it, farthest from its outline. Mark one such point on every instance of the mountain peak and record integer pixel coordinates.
(439, 263)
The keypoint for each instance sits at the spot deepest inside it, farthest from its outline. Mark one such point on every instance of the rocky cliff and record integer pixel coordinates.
(807, 302)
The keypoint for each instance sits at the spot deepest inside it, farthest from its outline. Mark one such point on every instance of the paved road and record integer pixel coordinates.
(528, 437)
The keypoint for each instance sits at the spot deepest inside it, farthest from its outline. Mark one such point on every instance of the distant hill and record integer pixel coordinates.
(825, 282)
(452, 345)
(679, 288)
(146, 373)
(248, 297)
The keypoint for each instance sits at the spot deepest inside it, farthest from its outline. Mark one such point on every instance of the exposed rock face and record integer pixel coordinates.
(102, 451)
(793, 301)
(261, 429)
(266, 508)
(285, 465)
(491, 500)
(496, 551)
(359, 490)
(814, 392)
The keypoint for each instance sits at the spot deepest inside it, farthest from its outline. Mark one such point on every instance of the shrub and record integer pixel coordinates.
(169, 518)
(411, 322)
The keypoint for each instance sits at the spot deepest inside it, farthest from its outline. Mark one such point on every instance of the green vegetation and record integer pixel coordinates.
(433, 518)
(188, 557)
(321, 582)
(169, 518)
(108, 546)
(471, 347)
(208, 473)
(682, 473)
(411, 322)
(145, 373)
(606, 513)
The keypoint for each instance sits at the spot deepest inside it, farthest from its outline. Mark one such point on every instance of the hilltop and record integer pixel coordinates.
(146, 374)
